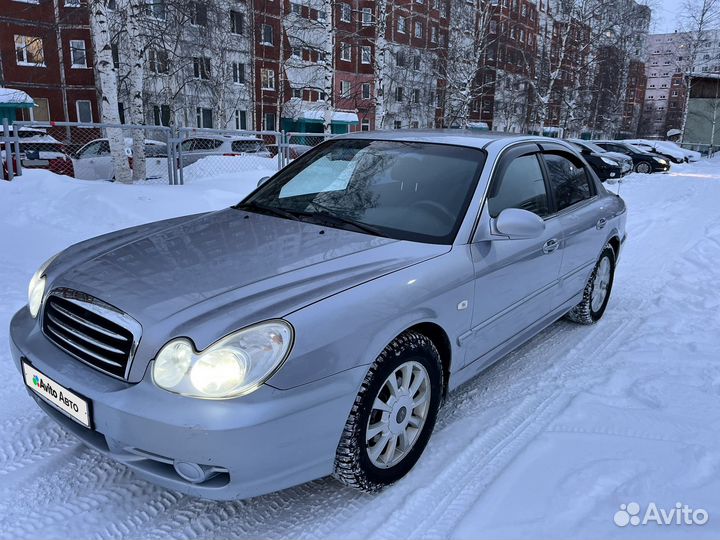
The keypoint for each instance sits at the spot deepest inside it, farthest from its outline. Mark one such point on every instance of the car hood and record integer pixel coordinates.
(234, 266)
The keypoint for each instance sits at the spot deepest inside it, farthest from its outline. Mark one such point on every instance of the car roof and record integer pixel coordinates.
(457, 137)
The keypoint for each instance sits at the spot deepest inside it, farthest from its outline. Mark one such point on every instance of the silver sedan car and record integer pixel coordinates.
(314, 328)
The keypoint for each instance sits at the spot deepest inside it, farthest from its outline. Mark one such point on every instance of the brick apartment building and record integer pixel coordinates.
(299, 65)
(46, 51)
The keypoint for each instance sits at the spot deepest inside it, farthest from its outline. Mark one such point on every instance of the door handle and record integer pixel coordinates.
(551, 245)
(601, 223)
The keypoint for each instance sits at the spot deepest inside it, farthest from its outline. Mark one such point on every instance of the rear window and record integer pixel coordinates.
(249, 147)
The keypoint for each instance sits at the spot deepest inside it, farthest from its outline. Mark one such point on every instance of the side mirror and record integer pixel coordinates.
(263, 180)
(518, 224)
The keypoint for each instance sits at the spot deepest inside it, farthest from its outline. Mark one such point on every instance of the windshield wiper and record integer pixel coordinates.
(269, 209)
(328, 214)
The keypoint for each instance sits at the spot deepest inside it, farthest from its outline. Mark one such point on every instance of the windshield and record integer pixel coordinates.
(404, 190)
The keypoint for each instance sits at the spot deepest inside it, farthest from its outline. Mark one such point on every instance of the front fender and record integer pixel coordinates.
(351, 328)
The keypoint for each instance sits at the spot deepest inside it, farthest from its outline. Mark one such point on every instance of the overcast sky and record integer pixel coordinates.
(666, 14)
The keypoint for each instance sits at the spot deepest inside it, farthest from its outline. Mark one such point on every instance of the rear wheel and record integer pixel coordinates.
(643, 167)
(393, 415)
(597, 290)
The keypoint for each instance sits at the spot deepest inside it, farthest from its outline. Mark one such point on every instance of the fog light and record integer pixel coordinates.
(194, 473)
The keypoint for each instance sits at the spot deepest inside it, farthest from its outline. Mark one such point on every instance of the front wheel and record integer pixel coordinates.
(643, 167)
(597, 290)
(393, 415)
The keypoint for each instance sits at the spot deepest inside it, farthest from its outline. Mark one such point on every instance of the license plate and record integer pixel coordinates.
(66, 401)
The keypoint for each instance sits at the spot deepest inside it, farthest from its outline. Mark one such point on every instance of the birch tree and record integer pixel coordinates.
(107, 81)
(135, 11)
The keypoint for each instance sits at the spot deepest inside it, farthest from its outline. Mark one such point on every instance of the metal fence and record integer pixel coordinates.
(155, 154)
(705, 149)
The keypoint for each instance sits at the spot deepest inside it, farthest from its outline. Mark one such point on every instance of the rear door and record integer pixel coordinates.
(581, 213)
(515, 280)
(84, 163)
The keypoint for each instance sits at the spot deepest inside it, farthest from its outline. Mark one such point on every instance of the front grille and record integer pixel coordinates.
(89, 330)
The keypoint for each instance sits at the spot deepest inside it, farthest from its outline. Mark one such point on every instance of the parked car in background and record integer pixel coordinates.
(606, 164)
(667, 148)
(38, 150)
(94, 162)
(643, 161)
(315, 327)
(201, 146)
(673, 155)
(293, 151)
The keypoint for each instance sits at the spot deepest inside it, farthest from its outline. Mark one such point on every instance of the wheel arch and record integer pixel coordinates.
(614, 243)
(440, 339)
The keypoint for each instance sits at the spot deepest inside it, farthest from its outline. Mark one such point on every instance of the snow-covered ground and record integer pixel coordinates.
(547, 443)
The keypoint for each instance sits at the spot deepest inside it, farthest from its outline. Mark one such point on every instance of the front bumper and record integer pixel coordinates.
(265, 441)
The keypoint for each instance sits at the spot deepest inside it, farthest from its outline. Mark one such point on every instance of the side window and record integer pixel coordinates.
(521, 186)
(91, 150)
(568, 181)
(187, 145)
(104, 149)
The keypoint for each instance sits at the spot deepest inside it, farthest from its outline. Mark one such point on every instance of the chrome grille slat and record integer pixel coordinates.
(91, 330)
(84, 322)
(78, 334)
(81, 348)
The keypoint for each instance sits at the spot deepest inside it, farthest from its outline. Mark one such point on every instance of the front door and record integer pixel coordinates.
(515, 279)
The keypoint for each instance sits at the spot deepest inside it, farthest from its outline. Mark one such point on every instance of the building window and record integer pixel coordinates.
(367, 17)
(345, 89)
(84, 111)
(157, 61)
(401, 25)
(399, 93)
(416, 96)
(297, 93)
(237, 22)
(156, 9)
(161, 115)
(201, 67)
(238, 72)
(322, 15)
(400, 59)
(419, 30)
(415, 124)
(267, 78)
(204, 117)
(270, 121)
(345, 52)
(366, 91)
(366, 56)
(78, 55)
(433, 34)
(416, 63)
(39, 113)
(345, 13)
(240, 119)
(198, 14)
(266, 34)
(29, 51)
(72, 3)
(365, 125)
(397, 124)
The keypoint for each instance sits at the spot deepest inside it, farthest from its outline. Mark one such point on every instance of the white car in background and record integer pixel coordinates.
(196, 148)
(667, 148)
(94, 162)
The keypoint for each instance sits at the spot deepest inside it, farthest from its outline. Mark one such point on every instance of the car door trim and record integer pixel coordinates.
(473, 330)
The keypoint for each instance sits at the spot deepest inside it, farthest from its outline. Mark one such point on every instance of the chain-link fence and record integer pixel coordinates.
(143, 154)
(203, 153)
